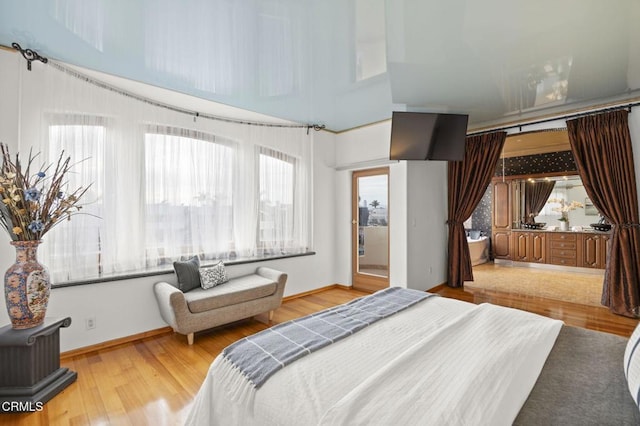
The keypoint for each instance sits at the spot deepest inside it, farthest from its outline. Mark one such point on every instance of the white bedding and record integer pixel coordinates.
(450, 360)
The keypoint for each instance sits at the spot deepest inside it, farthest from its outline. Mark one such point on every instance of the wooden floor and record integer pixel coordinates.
(591, 317)
(153, 381)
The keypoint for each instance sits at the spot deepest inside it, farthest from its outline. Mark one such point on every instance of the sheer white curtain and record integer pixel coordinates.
(85, 138)
(276, 165)
(280, 221)
(189, 194)
(164, 186)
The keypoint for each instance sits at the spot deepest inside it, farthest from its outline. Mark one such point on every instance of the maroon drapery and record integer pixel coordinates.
(601, 146)
(536, 195)
(468, 181)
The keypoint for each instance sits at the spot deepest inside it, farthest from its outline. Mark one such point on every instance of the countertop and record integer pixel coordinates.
(557, 231)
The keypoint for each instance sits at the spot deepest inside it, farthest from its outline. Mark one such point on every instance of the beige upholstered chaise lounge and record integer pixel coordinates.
(239, 298)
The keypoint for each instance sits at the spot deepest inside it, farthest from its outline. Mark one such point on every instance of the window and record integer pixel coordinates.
(188, 195)
(159, 192)
(276, 225)
(75, 249)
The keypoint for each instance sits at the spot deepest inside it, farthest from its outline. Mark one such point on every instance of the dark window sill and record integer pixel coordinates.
(169, 270)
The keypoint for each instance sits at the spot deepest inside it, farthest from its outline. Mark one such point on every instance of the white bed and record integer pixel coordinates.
(441, 361)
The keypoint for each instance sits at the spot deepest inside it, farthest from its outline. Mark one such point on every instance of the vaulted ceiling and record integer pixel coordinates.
(346, 63)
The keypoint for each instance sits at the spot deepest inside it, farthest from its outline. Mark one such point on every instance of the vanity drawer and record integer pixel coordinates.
(565, 253)
(563, 261)
(564, 245)
(563, 237)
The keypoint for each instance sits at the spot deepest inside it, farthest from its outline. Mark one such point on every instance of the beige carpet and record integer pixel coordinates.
(573, 287)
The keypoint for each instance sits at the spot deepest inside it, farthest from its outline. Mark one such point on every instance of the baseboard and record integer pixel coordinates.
(344, 287)
(437, 288)
(314, 291)
(164, 330)
(115, 342)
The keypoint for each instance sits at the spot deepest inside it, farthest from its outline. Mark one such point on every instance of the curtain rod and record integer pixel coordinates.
(31, 55)
(628, 106)
(72, 72)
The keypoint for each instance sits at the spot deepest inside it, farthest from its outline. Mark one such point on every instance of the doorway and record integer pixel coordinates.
(370, 229)
(525, 232)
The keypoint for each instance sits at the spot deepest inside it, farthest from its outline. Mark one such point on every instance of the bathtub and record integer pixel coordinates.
(479, 250)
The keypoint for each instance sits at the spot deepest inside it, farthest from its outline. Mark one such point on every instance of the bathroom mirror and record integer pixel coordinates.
(530, 198)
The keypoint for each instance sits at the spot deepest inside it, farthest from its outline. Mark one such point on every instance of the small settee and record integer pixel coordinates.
(238, 298)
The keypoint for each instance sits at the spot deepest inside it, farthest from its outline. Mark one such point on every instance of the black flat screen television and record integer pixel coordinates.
(427, 136)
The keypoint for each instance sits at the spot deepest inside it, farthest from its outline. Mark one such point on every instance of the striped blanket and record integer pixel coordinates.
(260, 355)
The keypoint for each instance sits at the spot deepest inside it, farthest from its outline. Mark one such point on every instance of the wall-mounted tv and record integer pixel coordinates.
(427, 136)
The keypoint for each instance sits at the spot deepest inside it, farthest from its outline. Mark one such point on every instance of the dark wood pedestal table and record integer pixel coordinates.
(30, 373)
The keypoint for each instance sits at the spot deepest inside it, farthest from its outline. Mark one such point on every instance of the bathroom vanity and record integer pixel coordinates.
(584, 249)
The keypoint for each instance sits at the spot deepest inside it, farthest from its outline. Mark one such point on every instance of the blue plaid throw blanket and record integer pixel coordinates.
(261, 355)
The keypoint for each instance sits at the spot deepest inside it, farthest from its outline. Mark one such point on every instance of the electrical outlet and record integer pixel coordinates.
(90, 323)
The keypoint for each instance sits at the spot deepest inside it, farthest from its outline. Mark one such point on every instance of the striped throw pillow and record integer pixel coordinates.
(632, 364)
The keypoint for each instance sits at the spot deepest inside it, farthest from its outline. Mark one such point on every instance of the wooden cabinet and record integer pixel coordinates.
(577, 249)
(538, 247)
(520, 243)
(501, 220)
(501, 206)
(529, 246)
(501, 244)
(582, 249)
(594, 251)
(563, 249)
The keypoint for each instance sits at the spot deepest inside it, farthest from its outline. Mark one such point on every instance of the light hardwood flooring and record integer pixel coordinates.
(153, 381)
(573, 314)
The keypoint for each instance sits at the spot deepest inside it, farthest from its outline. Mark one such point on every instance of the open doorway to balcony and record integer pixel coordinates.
(370, 229)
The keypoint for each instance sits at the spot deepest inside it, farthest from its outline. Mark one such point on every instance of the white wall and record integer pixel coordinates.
(427, 233)
(417, 190)
(353, 149)
(398, 224)
(127, 307)
(363, 144)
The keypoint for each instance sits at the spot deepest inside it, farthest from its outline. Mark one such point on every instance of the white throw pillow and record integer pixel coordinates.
(211, 276)
(632, 364)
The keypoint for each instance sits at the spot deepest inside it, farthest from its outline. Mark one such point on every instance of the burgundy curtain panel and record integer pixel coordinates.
(468, 181)
(536, 195)
(601, 146)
